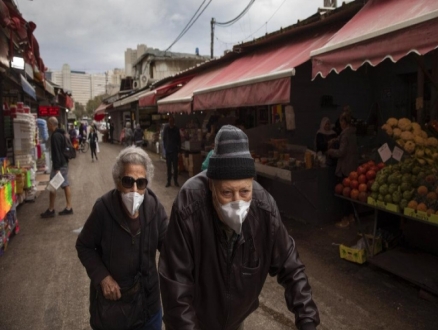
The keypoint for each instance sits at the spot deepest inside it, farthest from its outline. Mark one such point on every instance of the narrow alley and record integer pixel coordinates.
(43, 285)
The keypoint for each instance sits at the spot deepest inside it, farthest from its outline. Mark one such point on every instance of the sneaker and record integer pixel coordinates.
(176, 184)
(168, 184)
(66, 212)
(48, 214)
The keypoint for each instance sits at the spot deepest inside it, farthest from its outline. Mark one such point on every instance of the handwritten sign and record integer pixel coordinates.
(397, 153)
(384, 152)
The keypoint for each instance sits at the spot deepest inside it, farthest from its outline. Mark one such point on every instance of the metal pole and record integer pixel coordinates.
(212, 36)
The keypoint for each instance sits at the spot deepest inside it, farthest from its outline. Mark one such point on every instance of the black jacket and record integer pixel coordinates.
(203, 287)
(57, 147)
(106, 246)
(171, 139)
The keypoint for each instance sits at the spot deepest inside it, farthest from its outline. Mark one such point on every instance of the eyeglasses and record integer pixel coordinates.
(128, 182)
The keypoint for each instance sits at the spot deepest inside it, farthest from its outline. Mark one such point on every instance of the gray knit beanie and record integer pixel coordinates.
(231, 159)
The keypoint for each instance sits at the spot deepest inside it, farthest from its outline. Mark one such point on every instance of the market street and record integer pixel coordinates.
(44, 286)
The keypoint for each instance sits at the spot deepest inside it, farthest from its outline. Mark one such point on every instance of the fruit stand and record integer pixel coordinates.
(405, 192)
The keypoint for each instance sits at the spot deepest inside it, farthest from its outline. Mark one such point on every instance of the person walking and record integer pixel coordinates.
(138, 136)
(93, 139)
(118, 246)
(225, 236)
(129, 134)
(111, 132)
(59, 164)
(172, 146)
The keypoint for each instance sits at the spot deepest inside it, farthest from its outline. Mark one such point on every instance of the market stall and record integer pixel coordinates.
(403, 194)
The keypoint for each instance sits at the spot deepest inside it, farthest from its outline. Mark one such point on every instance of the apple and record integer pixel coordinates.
(354, 194)
(353, 176)
(354, 184)
(338, 189)
(362, 178)
(371, 175)
(346, 191)
(346, 182)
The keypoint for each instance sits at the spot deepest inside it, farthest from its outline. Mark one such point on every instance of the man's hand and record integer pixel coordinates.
(110, 288)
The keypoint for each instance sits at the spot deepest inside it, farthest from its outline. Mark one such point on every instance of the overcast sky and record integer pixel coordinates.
(92, 35)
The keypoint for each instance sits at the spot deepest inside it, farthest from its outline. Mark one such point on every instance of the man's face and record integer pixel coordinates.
(50, 127)
(227, 191)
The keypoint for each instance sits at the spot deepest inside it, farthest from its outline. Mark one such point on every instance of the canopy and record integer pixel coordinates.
(381, 29)
(181, 100)
(99, 113)
(150, 98)
(27, 87)
(261, 77)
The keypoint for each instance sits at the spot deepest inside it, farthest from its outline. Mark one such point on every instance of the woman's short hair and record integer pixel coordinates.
(132, 155)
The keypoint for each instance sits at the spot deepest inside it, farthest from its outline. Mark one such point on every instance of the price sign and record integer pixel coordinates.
(397, 153)
(48, 111)
(384, 152)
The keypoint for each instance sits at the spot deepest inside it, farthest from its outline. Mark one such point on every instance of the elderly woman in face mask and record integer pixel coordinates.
(118, 245)
(225, 236)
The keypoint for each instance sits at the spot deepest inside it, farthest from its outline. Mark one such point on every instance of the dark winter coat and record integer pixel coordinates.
(205, 287)
(171, 139)
(57, 147)
(106, 246)
(347, 154)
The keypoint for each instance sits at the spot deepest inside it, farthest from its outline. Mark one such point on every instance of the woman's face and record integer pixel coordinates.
(134, 171)
(343, 124)
(227, 191)
(327, 126)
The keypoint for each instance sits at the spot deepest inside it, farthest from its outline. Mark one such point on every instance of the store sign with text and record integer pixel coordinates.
(48, 111)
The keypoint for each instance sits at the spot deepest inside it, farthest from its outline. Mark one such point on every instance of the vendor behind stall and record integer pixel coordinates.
(325, 135)
(347, 156)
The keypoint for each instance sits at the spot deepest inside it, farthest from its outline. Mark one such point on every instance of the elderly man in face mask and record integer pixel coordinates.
(225, 236)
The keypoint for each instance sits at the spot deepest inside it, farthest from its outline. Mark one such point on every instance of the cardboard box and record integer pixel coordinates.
(421, 215)
(348, 252)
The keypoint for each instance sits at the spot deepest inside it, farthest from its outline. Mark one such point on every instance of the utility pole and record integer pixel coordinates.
(212, 36)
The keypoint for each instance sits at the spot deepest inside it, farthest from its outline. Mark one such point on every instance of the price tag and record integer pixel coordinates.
(384, 152)
(397, 153)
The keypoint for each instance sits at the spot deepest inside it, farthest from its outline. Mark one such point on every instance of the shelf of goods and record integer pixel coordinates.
(407, 189)
(24, 139)
(8, 203)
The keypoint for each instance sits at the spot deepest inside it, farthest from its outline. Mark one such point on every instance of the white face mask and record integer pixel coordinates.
(233, 214)
(132, 201)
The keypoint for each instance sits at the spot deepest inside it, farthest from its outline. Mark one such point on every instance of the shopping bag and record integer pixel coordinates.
(97, 147)
(55, 183)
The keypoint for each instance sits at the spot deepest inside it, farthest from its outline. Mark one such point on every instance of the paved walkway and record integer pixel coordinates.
(43, 286)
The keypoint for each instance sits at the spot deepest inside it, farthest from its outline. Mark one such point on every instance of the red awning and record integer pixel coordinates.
(150, 98)
(99, 113)
(260, 78)
(381, 29)
(181, 100)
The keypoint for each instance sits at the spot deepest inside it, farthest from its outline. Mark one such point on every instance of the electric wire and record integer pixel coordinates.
(265, 24)
(190, 23)
(238, 17)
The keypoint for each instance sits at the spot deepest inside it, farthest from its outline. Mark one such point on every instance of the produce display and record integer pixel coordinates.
(413, 139)
(358, 184)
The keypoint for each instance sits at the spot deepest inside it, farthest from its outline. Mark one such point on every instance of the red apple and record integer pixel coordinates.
(338, 189)
(371, 175)
(354, 194)
(353, 176)
(361, 170)
(346, 182)
(362, 178)
(363, 187)
(346, 191)
(354, 184)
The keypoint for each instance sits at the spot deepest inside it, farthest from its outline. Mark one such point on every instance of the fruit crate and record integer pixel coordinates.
(421, 215)
(387, 206)
(348, 252)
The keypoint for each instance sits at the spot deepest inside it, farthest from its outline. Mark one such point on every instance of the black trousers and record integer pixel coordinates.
(93, 150)
(172, 161)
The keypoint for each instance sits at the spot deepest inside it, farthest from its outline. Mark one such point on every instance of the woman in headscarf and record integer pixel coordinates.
(324, 135)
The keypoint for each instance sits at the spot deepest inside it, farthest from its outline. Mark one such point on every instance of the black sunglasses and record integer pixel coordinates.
(128, 182)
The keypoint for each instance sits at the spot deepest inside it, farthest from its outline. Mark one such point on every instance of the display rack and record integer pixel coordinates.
(413, 265)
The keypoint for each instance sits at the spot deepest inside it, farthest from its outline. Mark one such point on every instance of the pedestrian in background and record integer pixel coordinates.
(118, 246)
(225, 236)
(59, 164)
(172, 146)
(111, 132)
(138, 136)
(92, 138)
(129, 134)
